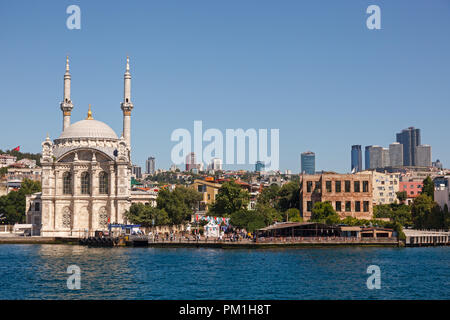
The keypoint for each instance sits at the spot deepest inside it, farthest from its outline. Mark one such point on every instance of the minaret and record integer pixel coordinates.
(66, 104)
(126, 105)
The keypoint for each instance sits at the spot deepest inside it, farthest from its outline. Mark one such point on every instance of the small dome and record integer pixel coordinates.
(89, 129)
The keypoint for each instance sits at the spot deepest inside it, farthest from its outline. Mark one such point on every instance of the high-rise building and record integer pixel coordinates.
(136, 171)
(308, 162)
(396, 154)
(423, 156)
(191, 161)
(377, 157)
(215, 164)
(385, 160)
(259, 166)
(410, 139)
(356, 158)
(150, 165)
(367, 157)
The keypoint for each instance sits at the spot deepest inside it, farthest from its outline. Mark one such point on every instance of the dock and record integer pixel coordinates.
(424, 238)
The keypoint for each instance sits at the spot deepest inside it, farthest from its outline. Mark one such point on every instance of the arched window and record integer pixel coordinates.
(67, 183)
(85, 183)
(103, 181)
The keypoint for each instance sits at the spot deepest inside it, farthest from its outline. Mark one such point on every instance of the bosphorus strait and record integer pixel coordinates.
(39, 272)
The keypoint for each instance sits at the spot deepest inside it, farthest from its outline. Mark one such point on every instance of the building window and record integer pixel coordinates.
(317, 187)
(348, 206)
(337, 186)
(37, 206)
(67, 183)
(209, 196)
(366, 206)
(357, 187)
(308, 186)
(309, 206)
(85, 183)
(328, 186)
(338, 206)
(347, 186)
(103, 181)
(357, 206)
(365, 186)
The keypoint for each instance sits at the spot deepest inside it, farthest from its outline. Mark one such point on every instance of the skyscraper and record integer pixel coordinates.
(136, 171)
(191, 161)
(410, 139)
(367, 157)
(308, 162)
(376, 157)
(423, 156)
(215, 164)
(259, 166)
(150, 165)
(396, 154)
(385, 158)
(356, 158)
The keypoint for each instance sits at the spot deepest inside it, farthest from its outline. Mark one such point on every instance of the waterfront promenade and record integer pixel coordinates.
(413, 238)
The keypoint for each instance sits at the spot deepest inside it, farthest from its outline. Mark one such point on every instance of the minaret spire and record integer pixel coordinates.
(66, 105)
(127, 105)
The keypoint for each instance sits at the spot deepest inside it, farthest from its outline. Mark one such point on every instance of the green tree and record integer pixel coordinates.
(428, 187)
(292, 215)
(401, 196)
(146, 214)
(249, 220)
(3, 171)
(400, 213)
(324, 212)
(230, 198)
(12, 205)
(269, 195)
(420, 209)
(179, 204)
(289, 196)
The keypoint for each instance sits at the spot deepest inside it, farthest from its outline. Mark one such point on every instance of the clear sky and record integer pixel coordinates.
(311, 69)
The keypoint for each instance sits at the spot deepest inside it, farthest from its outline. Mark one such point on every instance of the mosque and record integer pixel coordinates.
(86, 173)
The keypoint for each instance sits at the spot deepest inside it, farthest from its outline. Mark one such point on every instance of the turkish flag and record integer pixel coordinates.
(16, 148)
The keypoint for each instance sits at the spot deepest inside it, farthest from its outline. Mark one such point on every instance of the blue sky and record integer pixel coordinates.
(309, 68)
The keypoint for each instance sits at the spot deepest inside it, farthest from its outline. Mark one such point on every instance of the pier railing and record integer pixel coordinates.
(277, 240)
(325, 240)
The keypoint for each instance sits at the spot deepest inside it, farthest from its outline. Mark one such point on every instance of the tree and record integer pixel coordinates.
(146, 214)
(428, 187)
(230, 198)
(179, 204)
(289, 196)
(323, 212)
(401, 196)
(292, 215)
(420, 209)
(12, 205)
(269, 195)
(3, 171)
(400, 213)
(249, 220)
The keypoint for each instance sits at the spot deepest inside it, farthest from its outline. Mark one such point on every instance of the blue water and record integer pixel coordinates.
(39, 272)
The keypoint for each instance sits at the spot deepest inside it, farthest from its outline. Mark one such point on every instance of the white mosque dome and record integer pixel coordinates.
(89, 128)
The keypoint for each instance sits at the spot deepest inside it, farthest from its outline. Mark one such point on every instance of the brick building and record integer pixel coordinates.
(349, 194)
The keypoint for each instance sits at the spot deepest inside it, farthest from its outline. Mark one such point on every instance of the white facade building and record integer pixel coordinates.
(86, 172)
